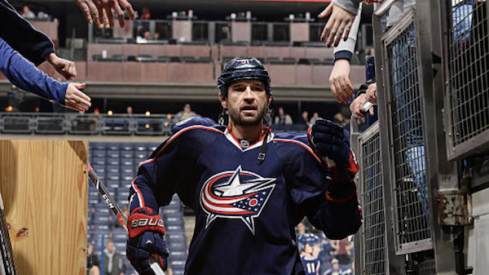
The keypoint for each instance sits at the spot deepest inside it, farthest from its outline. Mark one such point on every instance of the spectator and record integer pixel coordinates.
(309, 258)
(27, 13)
(114, 263)
(185, 114)
(145, 14)
(282, 118)
(342, 250)
(304, 119)
(340, 120)
(95, 269)
(314, 117)
(30, 43)
(25, 76)
(334, 269)
(351, 270)
(129, 113)
(326, 251)
(147, 35)
(307, 238)
(301, 229)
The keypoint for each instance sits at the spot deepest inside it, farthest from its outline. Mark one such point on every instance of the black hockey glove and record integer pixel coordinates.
(146, 240)
(332, 142)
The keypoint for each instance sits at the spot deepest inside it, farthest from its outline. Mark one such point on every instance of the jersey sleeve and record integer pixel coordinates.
(310, 182)
(171, 166)
(345, 49)
(349, 5)
(24, 38)
(24, 75)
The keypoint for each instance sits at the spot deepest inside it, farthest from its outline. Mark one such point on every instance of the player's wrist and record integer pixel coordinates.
(341, 192)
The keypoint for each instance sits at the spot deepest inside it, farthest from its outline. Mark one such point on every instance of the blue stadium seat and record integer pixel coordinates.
(113, 153)
(93, 199)
(113, 161)
(113, 169)
(140, 147)
(127, 147)
(127, 154)
(99, 169)
(99, 145)
(112, 183)
(99, 153)
(113, 146)
(98, 161)
(128, 176)
(141, 156)
(114, 176)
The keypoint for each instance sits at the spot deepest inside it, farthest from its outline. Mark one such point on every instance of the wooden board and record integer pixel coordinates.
(44, 189)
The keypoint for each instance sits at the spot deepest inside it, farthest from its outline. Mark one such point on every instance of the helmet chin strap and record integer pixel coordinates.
(220, 119)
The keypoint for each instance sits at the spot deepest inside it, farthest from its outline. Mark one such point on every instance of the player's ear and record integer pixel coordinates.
(224, 104)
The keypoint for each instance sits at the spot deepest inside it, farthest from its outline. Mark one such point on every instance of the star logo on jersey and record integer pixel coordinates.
(236, 195)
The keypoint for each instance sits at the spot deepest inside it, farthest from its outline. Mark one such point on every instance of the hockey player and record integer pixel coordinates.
(248, 186)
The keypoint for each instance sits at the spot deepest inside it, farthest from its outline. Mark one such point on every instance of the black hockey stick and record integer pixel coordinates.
(7, 265)
(116, 210)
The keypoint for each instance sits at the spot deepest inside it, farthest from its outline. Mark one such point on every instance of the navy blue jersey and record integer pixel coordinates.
(311, 265)
(245, 212)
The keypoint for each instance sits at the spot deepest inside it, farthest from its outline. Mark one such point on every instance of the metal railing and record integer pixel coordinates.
(85, 124)
(467, 77)
(371, 187)
(410, 188)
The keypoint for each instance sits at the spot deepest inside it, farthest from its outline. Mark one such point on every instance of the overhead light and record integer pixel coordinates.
(110, 113)
(147, 113)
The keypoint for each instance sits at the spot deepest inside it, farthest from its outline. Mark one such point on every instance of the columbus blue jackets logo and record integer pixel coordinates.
(236, 195)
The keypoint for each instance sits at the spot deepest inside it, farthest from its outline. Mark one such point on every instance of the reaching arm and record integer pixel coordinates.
(339, 79)
(339, 214)
(22, 36)
(24, 75)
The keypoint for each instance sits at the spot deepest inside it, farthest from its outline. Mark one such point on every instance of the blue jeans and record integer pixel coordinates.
(462, 25)
(415, 158)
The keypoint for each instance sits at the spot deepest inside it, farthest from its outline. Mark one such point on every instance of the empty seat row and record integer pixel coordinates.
(149, 58)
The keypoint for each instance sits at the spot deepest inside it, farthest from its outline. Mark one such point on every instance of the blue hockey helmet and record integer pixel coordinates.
(242, 68)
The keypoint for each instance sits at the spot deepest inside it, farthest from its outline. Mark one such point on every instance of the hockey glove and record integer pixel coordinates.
(146, 240)
(332, 143)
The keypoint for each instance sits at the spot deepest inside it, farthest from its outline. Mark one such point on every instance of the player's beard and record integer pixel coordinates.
(242, 120)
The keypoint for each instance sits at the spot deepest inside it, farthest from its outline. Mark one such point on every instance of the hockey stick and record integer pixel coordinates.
(7, 265)
(116, 210)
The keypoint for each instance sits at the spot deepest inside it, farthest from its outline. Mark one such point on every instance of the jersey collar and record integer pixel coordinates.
(232, 138)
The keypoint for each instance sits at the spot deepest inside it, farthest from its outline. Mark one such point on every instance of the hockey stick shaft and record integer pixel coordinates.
(8, 266)
(115, 209)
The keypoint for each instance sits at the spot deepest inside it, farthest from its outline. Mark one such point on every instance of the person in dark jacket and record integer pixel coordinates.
(31, 43)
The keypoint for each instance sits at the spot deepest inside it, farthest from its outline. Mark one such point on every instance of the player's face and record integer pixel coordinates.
(246, 102)
(308, 248)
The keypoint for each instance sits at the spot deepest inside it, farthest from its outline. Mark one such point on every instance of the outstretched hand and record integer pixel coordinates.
(76, 99)
(64, 67)
(339, 81)
(338, 25)
(102, 11)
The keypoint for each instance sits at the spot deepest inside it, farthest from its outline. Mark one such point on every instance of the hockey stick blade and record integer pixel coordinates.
(102, 190)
